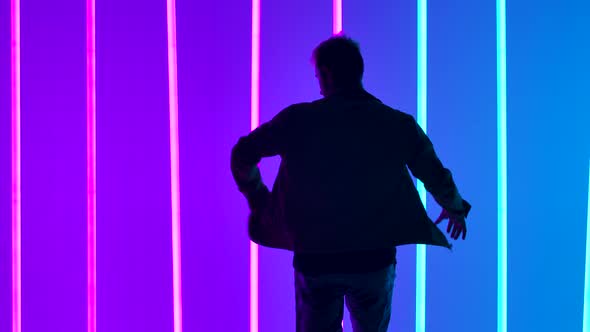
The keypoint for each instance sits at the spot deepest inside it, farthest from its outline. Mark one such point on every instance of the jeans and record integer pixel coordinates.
(320, 300)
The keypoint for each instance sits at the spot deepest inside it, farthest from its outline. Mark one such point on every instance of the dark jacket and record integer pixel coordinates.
(343, 182)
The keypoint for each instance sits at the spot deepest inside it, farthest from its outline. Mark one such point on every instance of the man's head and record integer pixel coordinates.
(339, 65)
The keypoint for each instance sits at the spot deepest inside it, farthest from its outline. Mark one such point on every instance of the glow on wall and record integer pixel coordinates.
(91, 162)
(15, 164)
(502, 165)
(174, 161)
(422, 121)
(254, 122)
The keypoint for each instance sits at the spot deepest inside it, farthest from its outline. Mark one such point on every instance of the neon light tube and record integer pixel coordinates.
(336, 29)
(422, 116)
(91, 162)
(174, 161)
(255, 73)
(15, 165)
(336, 16)
(502, 166)
(586, 323)
(254, 122)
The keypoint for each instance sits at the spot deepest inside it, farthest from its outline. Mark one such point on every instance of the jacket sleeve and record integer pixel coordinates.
(269, 139)
(427, 167)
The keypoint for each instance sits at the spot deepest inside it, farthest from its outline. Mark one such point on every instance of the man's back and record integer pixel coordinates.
(343, 198)
(343, 183)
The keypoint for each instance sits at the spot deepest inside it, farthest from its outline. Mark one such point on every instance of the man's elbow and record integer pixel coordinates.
(243, 156)
(236, 153)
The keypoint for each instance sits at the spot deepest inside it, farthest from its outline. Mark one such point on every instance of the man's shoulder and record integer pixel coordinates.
(375, 103)
(317, 101)
(293, 109)
(289, 110)
(297, 106)
(401, 114)
(372, 101)
(391, 112)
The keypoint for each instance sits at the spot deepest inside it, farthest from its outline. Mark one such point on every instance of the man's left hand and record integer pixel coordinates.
(456, 227)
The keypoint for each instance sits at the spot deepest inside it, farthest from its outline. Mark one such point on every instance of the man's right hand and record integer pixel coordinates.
(456, 226)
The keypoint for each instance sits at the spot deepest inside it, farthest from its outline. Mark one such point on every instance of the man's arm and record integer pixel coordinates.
(426, 166)
(269, 139)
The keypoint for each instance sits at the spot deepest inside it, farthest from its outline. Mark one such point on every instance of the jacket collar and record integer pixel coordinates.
(353, 93)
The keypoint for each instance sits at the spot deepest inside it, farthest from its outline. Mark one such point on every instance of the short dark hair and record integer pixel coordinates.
(342, 57)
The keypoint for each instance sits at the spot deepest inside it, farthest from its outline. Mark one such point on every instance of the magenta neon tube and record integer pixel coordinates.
(91, 163)
(254, 122)
(15, 165)
(337, 28)
(336, 16)
(174, 168)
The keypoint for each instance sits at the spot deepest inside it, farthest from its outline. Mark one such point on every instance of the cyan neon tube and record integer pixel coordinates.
(422, 116)
(502, 166)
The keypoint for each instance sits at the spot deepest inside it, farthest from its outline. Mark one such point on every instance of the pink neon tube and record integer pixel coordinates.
(336, 16)
(337, 28)
(254, 122)
(174, 168)
(16, 165)
(91, 162)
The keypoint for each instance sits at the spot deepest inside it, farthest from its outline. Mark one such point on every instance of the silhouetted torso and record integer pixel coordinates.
(343, 191)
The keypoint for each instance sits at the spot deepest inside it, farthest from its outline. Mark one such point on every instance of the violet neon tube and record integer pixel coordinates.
(174, 161)
(91, 163)
(254, 122)
(15, 164)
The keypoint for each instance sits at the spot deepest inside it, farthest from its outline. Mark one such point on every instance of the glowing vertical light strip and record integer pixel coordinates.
(586, 323)
(336, 16)
(254, 122)
(16, 165)
(174, 164)
(502, 166)
(422, 121)
(336, 29)
(255, 74)
(91, 163)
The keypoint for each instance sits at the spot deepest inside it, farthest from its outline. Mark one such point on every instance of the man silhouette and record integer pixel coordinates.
(343, 198)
